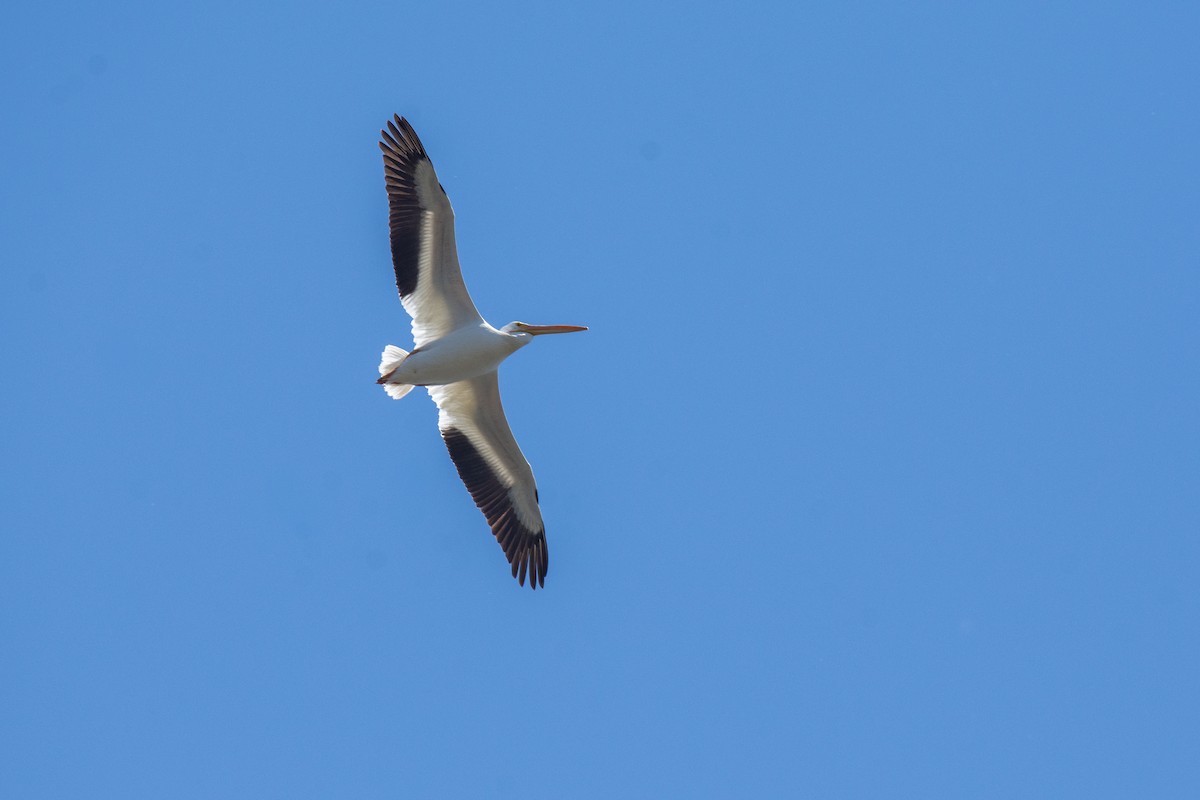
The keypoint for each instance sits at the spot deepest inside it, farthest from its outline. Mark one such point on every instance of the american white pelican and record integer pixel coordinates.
(456, 354)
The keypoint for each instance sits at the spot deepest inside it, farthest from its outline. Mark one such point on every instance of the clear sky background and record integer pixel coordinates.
(877, 475)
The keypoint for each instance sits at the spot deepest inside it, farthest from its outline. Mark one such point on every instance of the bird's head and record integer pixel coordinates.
(524, 332)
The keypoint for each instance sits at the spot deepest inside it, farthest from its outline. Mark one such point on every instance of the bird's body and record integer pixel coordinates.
(463, 353)
(457, 354)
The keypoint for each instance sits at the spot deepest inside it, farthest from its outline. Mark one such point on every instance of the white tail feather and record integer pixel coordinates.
(397, 390)
(392, 357)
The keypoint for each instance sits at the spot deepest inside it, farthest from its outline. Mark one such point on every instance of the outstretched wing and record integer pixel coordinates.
(422, 228)
(495, 471)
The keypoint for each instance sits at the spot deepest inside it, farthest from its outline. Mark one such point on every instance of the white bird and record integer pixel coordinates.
(456, 354)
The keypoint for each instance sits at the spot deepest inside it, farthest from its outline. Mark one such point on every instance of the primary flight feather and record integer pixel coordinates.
(456, 354)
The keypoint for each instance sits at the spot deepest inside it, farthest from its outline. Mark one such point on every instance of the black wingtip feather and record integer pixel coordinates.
(402, 152)
(525, 549)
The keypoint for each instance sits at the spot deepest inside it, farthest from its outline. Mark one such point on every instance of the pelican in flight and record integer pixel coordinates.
(456, 354)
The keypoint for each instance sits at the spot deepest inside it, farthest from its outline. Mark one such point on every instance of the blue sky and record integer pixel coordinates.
(876, 475)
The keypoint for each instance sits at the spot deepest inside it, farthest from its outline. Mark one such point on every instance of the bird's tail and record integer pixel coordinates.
(392, 358)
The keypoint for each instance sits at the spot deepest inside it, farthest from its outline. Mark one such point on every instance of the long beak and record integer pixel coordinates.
(538, 330)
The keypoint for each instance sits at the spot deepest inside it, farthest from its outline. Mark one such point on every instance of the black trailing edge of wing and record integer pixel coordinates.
(525, 549)
(402, 151)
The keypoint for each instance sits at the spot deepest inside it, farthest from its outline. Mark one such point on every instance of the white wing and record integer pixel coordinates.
(422, 227)
(495, 471)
